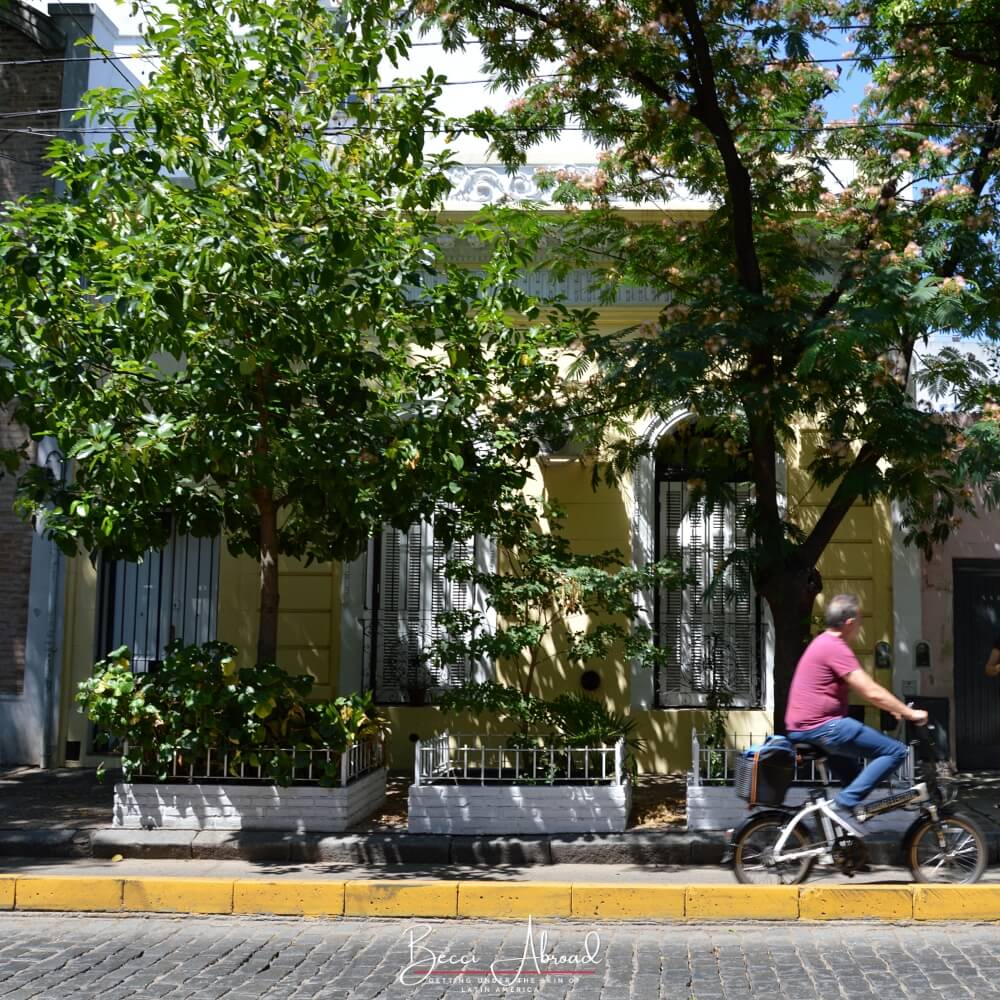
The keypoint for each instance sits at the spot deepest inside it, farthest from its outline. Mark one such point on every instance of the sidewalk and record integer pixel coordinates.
(59, 852)
(66, 813)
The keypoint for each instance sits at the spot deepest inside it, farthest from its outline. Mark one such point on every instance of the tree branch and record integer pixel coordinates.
(708, 111)
(525, 10)
(833, 297)
(844, 496)
(979, 58)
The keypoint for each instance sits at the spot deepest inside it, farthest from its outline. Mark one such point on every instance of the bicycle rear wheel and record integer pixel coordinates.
(753, 854)
(950, 849)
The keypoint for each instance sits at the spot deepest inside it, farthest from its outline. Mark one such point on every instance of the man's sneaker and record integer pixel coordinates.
(860, 814)
(844, 812)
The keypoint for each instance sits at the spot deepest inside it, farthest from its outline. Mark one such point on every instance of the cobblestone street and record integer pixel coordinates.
(52, 957)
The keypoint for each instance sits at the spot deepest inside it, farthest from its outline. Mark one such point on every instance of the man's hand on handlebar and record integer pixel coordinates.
(918, 716)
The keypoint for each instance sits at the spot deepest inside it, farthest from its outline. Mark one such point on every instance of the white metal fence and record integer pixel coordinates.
(260, 764)
(717, 766)
(472, 759)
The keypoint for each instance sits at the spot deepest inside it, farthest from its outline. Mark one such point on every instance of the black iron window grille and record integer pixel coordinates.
(711, 629)
(172, 593)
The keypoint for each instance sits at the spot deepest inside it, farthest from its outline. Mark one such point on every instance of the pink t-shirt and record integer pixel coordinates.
(818, 692)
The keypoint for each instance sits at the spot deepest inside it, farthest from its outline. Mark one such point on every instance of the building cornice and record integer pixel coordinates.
(479, 184)
(33, 24)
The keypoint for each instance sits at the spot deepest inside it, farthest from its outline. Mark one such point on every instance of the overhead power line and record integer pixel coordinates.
(14, 159)
(750, 29)
(153, 59)
(455, 129)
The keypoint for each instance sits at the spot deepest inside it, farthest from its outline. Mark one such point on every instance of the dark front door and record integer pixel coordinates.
(977, 697)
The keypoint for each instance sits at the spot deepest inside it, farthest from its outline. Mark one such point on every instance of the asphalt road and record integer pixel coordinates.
(52, 957)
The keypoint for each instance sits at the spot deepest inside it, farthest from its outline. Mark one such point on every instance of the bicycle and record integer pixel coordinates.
(777, 845)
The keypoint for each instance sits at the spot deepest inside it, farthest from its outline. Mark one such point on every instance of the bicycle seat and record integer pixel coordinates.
(810, 751)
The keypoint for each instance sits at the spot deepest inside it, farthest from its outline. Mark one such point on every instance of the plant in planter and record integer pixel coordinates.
(201, 702)
(718, 701)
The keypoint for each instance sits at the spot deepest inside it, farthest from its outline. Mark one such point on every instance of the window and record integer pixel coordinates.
(406, 592)
(171, 594)
(711, 628)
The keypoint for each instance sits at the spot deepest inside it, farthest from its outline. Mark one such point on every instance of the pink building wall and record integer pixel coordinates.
(976, 538)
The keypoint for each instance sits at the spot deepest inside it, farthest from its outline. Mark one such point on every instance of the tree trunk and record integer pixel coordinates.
(267, 632)
(790, 598)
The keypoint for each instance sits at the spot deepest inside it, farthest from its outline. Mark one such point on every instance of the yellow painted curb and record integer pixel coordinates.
(746, 902)
(856, 902)
(370, 898)
(68, 892)
(178, 895)
(293, 899)
(628, 902)
(956, 902)
(501, 900)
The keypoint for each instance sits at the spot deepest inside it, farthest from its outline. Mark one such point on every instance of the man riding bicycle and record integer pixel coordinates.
(817, 706)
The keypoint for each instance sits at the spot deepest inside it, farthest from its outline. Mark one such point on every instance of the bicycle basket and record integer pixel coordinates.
(764, 772)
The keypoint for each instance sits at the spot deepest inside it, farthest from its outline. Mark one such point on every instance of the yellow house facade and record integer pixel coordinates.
(197, 591)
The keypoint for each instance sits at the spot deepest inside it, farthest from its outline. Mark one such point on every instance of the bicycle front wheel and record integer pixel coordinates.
(753, 854)
(950, 849)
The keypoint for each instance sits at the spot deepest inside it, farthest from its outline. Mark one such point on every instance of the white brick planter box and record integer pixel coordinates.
(234, 806)
(519, 809)
(718, 807)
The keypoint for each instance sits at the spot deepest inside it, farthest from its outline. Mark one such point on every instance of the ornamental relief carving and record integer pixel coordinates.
(484, 184)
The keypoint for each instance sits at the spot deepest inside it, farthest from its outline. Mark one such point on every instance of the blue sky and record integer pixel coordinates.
(852, 80)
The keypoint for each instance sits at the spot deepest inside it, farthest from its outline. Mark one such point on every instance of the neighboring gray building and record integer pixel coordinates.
(43, 72)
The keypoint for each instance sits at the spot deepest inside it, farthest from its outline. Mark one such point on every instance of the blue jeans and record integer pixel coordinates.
(846, 740)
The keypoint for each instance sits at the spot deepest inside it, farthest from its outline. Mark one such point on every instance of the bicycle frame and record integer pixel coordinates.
(829, 821)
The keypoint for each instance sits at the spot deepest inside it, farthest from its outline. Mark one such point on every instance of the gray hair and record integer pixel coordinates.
(840, 609)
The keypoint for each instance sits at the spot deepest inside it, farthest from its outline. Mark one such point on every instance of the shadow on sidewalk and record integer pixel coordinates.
(62, 798)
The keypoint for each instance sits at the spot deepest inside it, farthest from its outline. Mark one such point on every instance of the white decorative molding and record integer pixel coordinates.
(576, 288)
(485, 184)
(641, 686)
(478, 184)
(907, 609)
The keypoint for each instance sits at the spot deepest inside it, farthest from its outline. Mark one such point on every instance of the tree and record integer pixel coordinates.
(239, 311)
(827, 255)
(552, 605)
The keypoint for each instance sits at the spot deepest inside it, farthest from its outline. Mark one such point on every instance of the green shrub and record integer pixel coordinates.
(201, 700)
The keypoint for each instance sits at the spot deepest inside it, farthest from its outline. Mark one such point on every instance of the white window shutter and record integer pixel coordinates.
(412, 591)
(450, 595)
(744, 606)
(387, 627)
